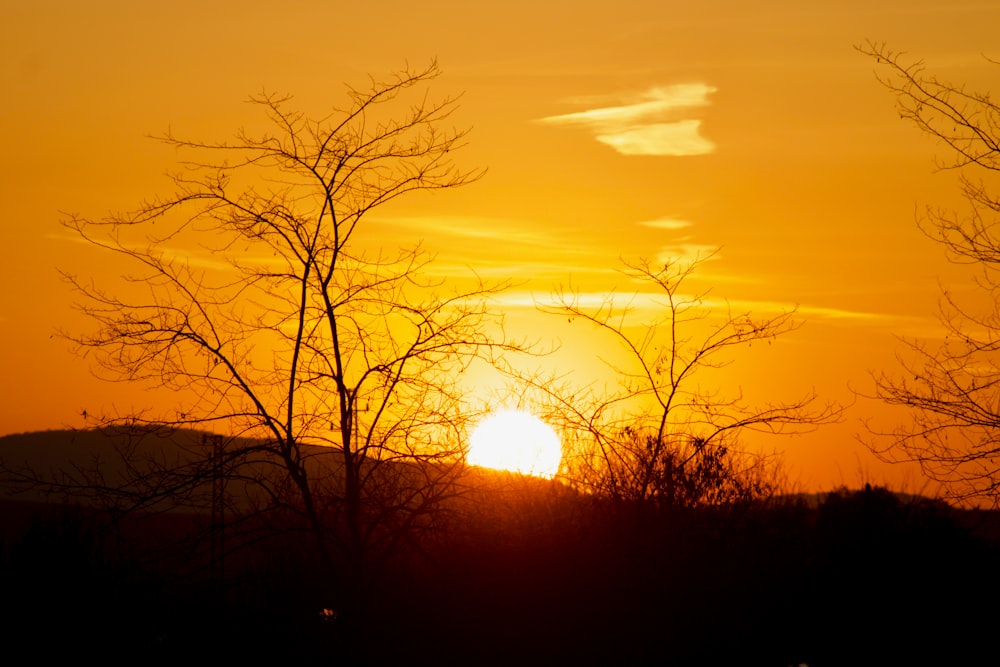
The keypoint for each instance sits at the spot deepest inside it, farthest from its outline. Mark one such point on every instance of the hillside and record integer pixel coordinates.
(514, 570)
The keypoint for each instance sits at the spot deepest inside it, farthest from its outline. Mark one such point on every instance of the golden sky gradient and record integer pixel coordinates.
(624, 129)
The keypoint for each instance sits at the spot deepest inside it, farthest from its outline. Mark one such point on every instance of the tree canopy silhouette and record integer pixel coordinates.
(664, 436)
(952, 387)
(326, 364)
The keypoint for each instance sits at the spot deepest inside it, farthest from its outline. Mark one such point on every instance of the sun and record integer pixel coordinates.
(517, 441)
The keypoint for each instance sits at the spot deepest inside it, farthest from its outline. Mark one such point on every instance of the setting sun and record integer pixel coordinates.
(517, 441)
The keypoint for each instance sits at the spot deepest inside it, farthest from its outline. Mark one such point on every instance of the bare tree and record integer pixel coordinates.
(952, 387)
(661, 436)
(328, 366)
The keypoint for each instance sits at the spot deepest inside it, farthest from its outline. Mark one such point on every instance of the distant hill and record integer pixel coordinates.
(112, 457)
(96, 455)
(141, 461)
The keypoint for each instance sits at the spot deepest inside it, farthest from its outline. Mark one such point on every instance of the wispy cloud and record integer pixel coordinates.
(648, 306)
(475, 228)
(803, 310)
(678, 138)
(489, 247)
(648, 123)
(665, 223)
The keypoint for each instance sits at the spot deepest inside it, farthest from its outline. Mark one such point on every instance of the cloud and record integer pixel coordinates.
(482, 229)
(515, 248)
(553, 269)
(584, 300)
(680, 138)
(665, 223)
(802, 310)
(648, 124)
(648, 306)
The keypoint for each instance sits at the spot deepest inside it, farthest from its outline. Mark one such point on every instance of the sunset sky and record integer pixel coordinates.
(609, 130)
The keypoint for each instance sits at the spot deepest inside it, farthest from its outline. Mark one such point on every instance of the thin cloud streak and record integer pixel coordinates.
(666, 223)
(498, 248)
(824, 312)
(526, 270)
(652, 304)
(487, 229)
(652, 103)
(648, 125)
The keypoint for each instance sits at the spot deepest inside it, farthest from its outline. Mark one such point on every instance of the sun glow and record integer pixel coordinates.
(517, 441)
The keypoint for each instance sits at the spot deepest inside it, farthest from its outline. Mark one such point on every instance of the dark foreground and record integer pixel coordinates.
(541, 577)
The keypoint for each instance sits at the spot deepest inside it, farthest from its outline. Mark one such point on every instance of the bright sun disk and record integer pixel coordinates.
(517, 441)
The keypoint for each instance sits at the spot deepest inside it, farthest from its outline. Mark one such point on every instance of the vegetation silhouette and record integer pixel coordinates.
(528, 571)
(664, 434)
(951, 387)
(327, 368)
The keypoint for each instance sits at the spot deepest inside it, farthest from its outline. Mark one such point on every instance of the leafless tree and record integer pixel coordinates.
(661, 435)
(952, 386)
(327, 365)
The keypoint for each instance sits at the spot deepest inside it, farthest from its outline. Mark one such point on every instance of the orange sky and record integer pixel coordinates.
(609, 129)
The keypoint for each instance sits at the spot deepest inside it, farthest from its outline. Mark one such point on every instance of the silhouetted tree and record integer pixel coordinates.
(661, 436)
(952, 386)
(327, 364)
